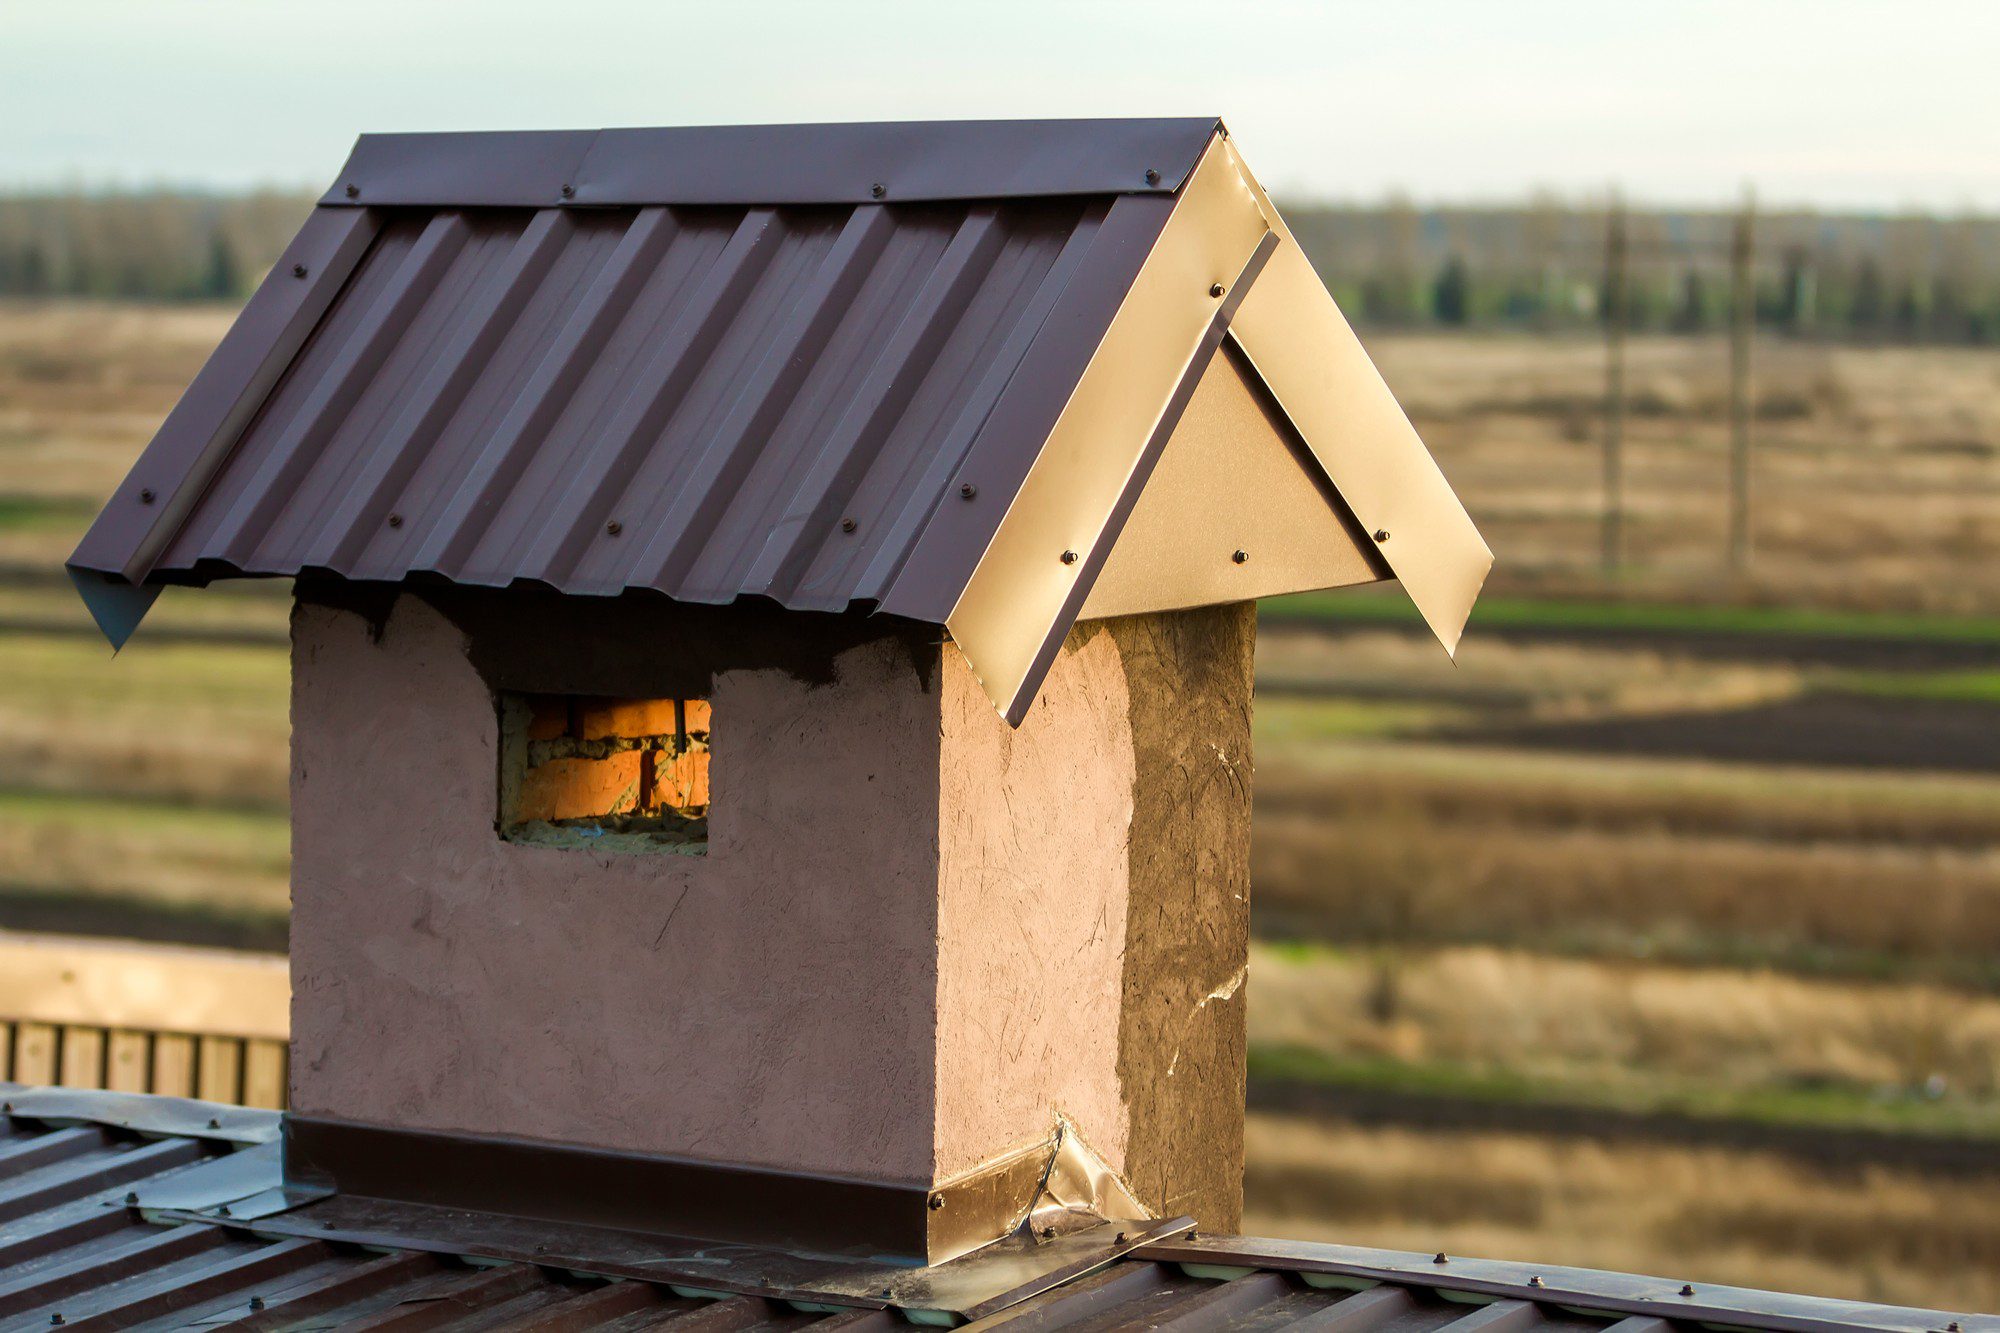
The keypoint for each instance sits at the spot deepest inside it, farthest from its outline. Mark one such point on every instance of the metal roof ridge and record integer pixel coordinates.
(840, 162)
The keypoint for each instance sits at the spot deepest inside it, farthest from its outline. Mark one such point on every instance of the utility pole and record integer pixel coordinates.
(1742, 322)
(1615, 301)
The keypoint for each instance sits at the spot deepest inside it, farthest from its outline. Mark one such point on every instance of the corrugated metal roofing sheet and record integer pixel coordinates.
(76, 1251)
(707, 402)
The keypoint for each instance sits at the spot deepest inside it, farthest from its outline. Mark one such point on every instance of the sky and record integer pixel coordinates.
(1839, 104)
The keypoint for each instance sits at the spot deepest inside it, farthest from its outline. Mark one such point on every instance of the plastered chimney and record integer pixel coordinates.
(908, 941)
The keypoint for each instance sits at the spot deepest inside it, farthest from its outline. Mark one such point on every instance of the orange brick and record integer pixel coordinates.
(627, 717)
(697, 715)
(580, 788)
(682, 782)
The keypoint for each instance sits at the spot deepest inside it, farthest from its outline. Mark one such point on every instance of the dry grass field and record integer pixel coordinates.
(1665, 847)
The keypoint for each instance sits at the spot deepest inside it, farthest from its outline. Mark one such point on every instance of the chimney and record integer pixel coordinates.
(905, 943)
(772, 659)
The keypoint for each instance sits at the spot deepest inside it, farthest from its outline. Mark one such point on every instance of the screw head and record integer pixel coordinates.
(1439, 1258)
(1118, 1239)
(936, 1202)
(613, 528)
(1152, 176)
(848, 525)
(967, 491)
(353, 191)
(131, 1196)
(878, 189)
(1048, 1233)
(222, 1210)
(1687, 1288)
(146, 495)
(1215, 289)
(569, 192)
(214, 1123)
(395, 521)
(1535, 1280)
(1381, 534)
(298, 270)
(1240, 556)
(256, 1302)
(56, 1318)
(1069, 557)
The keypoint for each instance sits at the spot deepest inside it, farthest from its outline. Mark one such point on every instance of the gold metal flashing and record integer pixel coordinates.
(1307, 356)
(1182, 473)
(1023, 590)
(1237, 508)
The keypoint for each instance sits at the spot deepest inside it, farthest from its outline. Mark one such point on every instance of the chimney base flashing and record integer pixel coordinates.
(795, 1212)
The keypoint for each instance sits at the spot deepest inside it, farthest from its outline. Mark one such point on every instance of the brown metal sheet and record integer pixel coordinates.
(1236, 509)
(841, 163)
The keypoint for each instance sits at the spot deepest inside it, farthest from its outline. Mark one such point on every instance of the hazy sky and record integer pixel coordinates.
(1834, 103)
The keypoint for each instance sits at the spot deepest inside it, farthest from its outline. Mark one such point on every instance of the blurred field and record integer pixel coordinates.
(1666, 848)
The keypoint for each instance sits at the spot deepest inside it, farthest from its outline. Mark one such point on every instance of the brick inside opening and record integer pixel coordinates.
(604, 773)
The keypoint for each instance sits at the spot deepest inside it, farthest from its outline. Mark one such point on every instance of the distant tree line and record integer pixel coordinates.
(1539, 265)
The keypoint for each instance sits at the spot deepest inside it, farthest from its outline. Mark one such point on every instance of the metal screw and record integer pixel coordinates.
(1439, 1258)
(222, 1210)
(967, 491)
(1535, 1279)
(1069, 557)
(569, 192)
(7, 1107)
(847, 525)
(937, 1202)
(541, 1249)
(56, 1318)
(614, 527)
(131, 1196)
(1048, 1233)
(1118, 1239)
(146, 496)
(1952, 1327)
(1240, 556)
(213, 1123)
(1215, 289)
(256, 1302)
(1152, 176)
(395, 521)
(1381, 534)
(298, 270)
(353, 191)
(1687, 1288)
(888, 1293)
(878, 189)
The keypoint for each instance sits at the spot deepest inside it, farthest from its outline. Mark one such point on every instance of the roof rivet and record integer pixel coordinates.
(395, 521)
(56, 1318)
(1152, 176)
(1381, 534)
(613, 528)
(1069, 557)
(131, 1196)
(256, 1302)
(1215, 289)
(878, 189)
(1952, 1327)
(146, 495)
(1118, 1239)
(569, 192)
(298, 270)
(848, 525)
(1240, 556)
(222, 1210)
(1534, 1279)
(1439, 1258)
(1687, 1288)
(967, 491)
(1048, 1233)
(937, 1202)
(213, 1123)
(7, 1107)
(353, 191)
(888, 1293)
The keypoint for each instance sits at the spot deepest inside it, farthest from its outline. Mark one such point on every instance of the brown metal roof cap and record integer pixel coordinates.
(856, 163)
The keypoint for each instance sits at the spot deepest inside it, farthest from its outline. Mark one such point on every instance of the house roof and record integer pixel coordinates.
(924, 369)
(126, 1210)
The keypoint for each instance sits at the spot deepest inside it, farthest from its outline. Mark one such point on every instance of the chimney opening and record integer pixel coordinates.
(595, 773)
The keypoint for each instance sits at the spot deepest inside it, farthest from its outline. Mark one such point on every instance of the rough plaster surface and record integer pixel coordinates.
(1094, 908)
(916, 938)
(770, 1003)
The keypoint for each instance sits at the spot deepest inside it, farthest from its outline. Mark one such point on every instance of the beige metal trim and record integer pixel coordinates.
(1025, 581)
(1308, 357)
